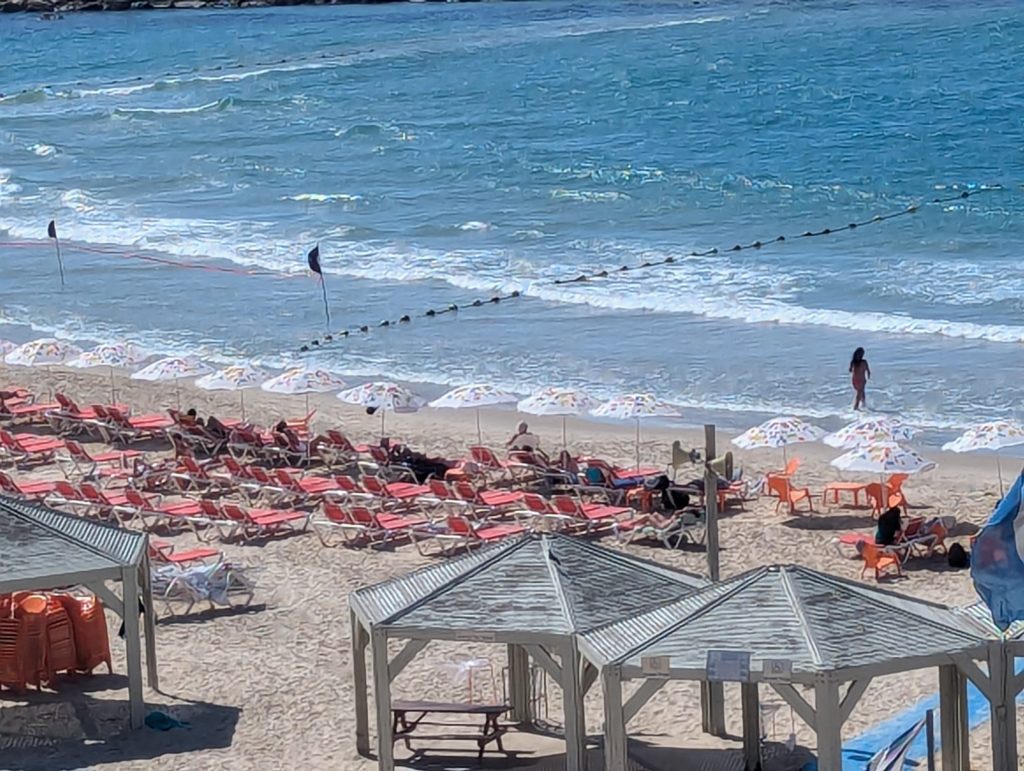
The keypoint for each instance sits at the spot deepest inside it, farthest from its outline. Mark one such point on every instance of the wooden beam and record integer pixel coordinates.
(382, 698)
(545, 661)
(798, 703)
(974, 673)
(133, 645)
(829, 728)
(948, 706)
(108, 598)
(751, 726)
(853, 693)
(149, 622)
(572, 703)
(407, 654)
(616, 755)
(590, 673)
(519, 684)
(360, 639)
(641, 696)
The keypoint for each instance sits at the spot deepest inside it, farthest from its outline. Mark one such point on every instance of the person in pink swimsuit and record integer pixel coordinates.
(860, 373)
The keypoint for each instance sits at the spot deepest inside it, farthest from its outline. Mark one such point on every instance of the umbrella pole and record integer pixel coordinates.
(638, 445)
(383, 412)
(177, 393)
(241, 398)
(565, 444)
(479, 434)
(999, 470)
(307, 403)
(113, 392)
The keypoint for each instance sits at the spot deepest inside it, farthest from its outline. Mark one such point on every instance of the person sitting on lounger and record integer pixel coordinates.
(523, 439)
(890, 525)
(215, 428)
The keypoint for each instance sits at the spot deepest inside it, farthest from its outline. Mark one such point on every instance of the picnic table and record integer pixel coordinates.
(409, 716)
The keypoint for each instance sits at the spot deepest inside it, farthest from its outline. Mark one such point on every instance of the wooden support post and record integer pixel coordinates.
(616, 754)
(751, 727)
(519, 684)
(829, 726)
(1003, 709)
(360, 639)
(572, 703)
(149, 622)
(382, 697)
(133, 644)
(711, 504)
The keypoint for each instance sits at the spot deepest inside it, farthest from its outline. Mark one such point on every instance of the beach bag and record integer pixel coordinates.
(958, 557)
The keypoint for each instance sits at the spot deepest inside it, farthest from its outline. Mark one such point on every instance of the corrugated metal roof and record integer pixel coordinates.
(37, 542)
(547, 583)
(817, 621)
(979, 615)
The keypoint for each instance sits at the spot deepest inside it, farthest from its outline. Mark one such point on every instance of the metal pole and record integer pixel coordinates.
(929, 728)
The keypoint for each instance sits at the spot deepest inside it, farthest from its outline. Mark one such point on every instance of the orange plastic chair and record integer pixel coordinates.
(880, 560)
(789, 495)
(791, 468)
(894, 488)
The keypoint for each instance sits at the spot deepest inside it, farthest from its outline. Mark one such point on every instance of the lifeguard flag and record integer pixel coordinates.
(313, 258)
(51, 229)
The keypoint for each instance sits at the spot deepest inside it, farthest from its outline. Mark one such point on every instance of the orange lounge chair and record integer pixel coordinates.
(462, 533)
(35, 491)
(881, 560)
(164, 552)
(29, 448)
(589, 515)
(789, 495)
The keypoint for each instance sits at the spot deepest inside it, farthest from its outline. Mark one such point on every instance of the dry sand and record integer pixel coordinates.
(272, 687)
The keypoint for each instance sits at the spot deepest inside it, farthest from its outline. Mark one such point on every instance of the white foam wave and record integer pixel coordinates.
(589, 195)
(714, 288)
(42, 150)
(324, 197)
(475, 225)
(127, 112)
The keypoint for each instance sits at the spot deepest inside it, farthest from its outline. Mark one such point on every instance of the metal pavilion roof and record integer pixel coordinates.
(548, 584)
(41, 548)
(818, 622)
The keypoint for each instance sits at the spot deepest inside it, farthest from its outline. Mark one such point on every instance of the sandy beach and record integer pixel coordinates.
(272, 687)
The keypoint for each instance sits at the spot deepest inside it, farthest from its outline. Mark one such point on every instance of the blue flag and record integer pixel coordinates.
(997, 560)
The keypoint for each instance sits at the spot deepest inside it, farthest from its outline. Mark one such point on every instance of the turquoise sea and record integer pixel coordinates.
(442, 153)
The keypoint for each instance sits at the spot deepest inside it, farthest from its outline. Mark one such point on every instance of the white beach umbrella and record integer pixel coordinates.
(871, 431)
(883, 458)
(175, 368)
(383, 397)
(110, 355)
(6, 346)
(304, 380)
(44, 352)
(237, 377)
(635, 407)
(994, 435)
(558, 401)
(779, 432)
(474, 396)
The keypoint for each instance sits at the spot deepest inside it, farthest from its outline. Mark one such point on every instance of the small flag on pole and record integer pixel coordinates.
(51, 231)
(313, 258)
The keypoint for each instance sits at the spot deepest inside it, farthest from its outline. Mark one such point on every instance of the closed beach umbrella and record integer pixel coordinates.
(175, 368)
(383, 397)
(871, 431)
(42, 353)
(6, 346)
(475, 396)
(110, 355)
(558, 401)
(994, 435)
(635, 407)
(237, 377)
(778, 432)
(304, 380)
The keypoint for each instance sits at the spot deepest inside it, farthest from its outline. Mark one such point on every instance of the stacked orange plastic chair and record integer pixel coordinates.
(92, 645)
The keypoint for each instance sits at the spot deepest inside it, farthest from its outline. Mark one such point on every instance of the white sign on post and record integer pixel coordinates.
(656, 666)
(728, 666)
(776, 671)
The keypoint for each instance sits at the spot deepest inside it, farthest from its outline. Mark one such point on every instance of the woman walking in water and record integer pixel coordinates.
(860, 373)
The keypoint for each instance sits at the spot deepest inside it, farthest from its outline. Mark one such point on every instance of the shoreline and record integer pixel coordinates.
(46, 7)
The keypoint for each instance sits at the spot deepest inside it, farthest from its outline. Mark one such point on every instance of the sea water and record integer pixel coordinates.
(445, 153)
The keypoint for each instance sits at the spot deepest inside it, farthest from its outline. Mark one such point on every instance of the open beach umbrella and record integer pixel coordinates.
(237, 377)
(175, 368)
(120, 354)
(635, 407)
(994, 435)
(304, 380)
(475, 396)
(558, 401)
(44, 352)
(871, 431)
(883, 458)
(779, 432)
(383, 397)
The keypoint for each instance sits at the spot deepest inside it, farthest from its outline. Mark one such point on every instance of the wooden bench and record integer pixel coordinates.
(409, 716)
